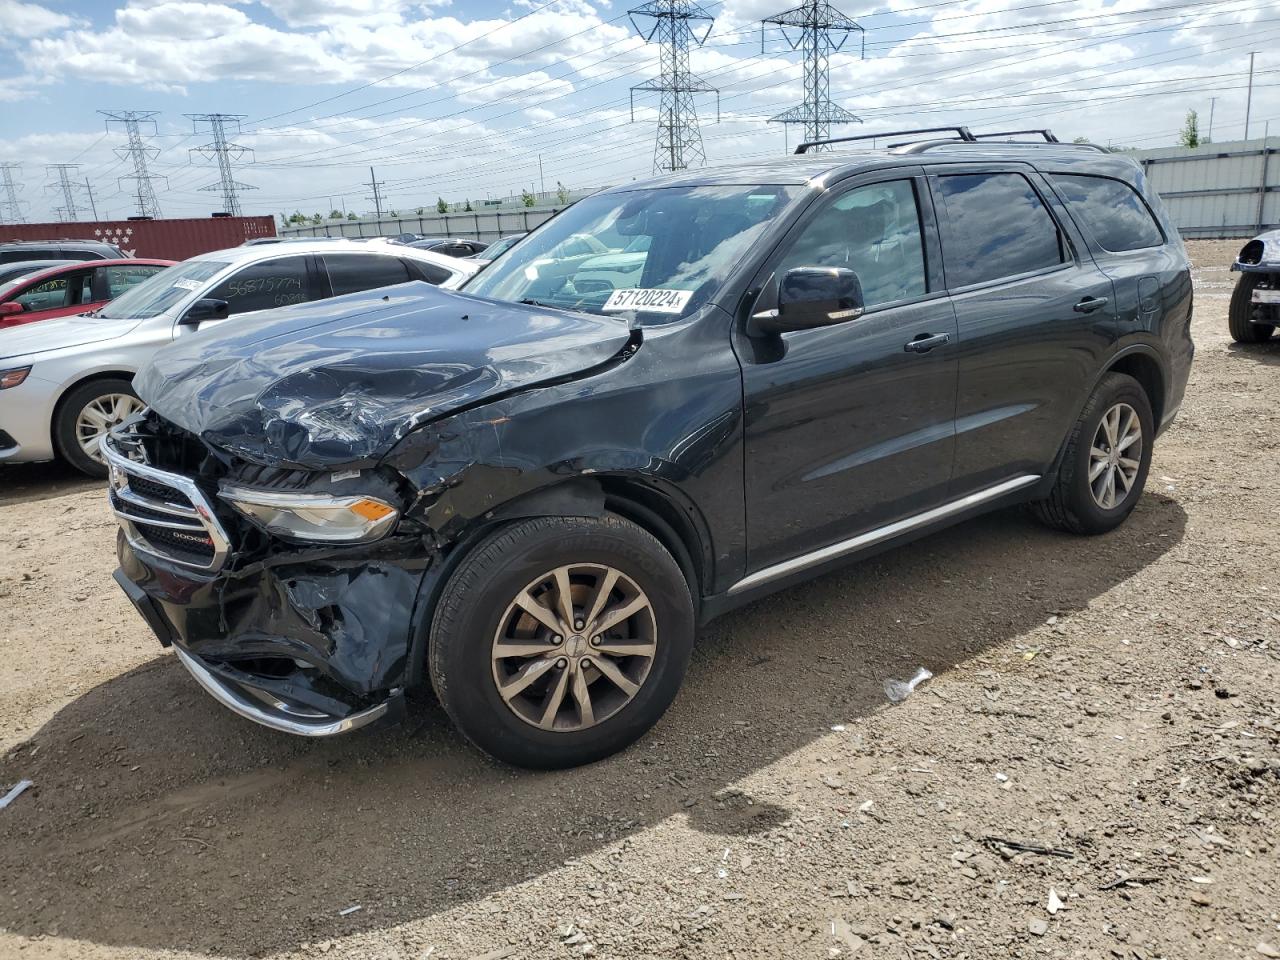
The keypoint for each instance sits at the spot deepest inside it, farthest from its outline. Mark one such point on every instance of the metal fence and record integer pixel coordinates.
(486, 225)
(1227, 189)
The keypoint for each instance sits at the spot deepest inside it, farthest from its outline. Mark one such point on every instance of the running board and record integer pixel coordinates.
(880, 534)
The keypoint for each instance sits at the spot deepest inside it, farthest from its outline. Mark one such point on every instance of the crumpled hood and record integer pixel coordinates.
(45, 336)
(342, 380)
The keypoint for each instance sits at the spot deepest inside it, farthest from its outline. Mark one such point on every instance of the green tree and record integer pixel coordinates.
(468, 207)
(335, 214)
(562, 193)
(316, 218)
(441, 206)
(1190, 133)
(297, 217)
(394, 214)
(1080, 140)
(352, 216)
(420, 211)
(527, 198)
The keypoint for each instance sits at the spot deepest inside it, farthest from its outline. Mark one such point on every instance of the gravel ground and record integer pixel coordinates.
(1093, 771)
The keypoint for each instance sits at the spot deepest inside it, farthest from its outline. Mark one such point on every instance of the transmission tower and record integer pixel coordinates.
(69, 212)
(137, 151)
(819, 29)
(10, 205)
(675, 25)
(224, 152)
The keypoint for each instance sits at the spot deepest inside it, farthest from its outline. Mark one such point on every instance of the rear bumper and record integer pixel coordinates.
(312, 648)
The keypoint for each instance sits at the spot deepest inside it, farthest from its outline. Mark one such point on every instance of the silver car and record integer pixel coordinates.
(64, 383)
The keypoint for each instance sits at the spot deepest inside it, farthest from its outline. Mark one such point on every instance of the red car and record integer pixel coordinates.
(71, 288)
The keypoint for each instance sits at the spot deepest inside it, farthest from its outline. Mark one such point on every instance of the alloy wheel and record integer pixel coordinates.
(1115, 456)
(99, 416)
(574, 647)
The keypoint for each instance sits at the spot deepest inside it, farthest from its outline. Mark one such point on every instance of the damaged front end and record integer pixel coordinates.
(289, 595)
(268, 534)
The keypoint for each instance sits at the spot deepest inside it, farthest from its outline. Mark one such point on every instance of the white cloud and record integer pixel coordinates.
(22, 21)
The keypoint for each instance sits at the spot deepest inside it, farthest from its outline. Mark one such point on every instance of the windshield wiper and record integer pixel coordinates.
(539, 303)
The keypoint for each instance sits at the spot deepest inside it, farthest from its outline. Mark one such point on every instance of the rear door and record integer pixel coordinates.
(1035, 315)
(847, 427)
(354, 272)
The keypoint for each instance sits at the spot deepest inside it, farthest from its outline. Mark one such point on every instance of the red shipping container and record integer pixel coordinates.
(163, 239)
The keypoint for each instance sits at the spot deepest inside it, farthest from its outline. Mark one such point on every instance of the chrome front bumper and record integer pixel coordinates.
(274, 713)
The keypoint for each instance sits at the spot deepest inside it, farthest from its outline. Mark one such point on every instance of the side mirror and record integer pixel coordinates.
(206, 309)
(812, 297)
(9, 308)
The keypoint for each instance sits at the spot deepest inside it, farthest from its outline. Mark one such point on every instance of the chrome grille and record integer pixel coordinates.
(163, 514)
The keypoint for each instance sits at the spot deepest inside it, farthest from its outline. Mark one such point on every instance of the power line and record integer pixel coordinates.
(10, 205)
(679, 142)
(223, 153)
(823, 30)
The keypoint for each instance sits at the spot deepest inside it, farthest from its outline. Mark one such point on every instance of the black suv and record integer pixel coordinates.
(59, 250)
(533, 491)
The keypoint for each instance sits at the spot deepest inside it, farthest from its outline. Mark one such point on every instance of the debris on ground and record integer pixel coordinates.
(898, 690)
(13, 794)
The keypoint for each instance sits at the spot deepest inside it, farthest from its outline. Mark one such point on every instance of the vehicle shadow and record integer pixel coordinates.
(160, 820)
(1267, 352)
(27, 482)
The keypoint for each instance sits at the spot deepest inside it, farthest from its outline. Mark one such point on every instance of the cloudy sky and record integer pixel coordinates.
(461, 99)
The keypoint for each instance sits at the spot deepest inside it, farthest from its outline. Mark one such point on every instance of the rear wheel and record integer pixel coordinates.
(85, 416)
(1243, 311)
(560, 640)
(1104, 467)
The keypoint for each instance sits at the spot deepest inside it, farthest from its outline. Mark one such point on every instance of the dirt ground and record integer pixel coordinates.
(1102, 732)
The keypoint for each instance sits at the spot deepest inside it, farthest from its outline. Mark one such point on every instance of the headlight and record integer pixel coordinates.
(11, 378)
(314, 516)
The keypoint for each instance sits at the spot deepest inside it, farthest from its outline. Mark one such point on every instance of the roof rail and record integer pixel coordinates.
(1047, 134)
(961, 133)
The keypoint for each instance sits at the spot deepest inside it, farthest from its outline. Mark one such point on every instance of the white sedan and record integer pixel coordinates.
(66, 382)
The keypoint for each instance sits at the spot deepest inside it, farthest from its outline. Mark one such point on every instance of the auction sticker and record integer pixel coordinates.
(185, 284)
(650, 301)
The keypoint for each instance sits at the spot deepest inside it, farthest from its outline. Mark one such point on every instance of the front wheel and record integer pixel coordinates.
(560, 640)
(1242, 313)
(85, 416)
(1104, 467)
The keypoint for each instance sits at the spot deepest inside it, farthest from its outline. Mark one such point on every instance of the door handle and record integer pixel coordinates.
(1090, 304)
(926, 342)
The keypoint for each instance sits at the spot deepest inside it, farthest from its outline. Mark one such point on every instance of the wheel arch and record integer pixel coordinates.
(68, 388)
(646, 502)
(1140, 362)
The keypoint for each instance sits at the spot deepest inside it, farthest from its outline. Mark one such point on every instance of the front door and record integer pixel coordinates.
(849, 427)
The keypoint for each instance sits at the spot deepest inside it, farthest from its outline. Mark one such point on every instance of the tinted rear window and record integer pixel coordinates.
(1111, 210)
(353, 272)
(995, 225)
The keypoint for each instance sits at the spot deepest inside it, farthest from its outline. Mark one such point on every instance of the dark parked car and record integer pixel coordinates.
(21, 268)
(1254, 312)
(531, 495)
(59, 250)
(450, 246)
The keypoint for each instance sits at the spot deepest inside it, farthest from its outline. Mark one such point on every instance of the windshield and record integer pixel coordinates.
(663, 251)
(157, 294)
(498, 246)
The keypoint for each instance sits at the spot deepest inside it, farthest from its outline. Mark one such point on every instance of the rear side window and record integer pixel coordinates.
(1112, 211)
(430, 272)
(275, 283)
(353, 272)
(995, 226)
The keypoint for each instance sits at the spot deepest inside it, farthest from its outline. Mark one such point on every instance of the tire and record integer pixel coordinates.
(1073, 503)
(1240, 313)
(67, 421)
(477, 618)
